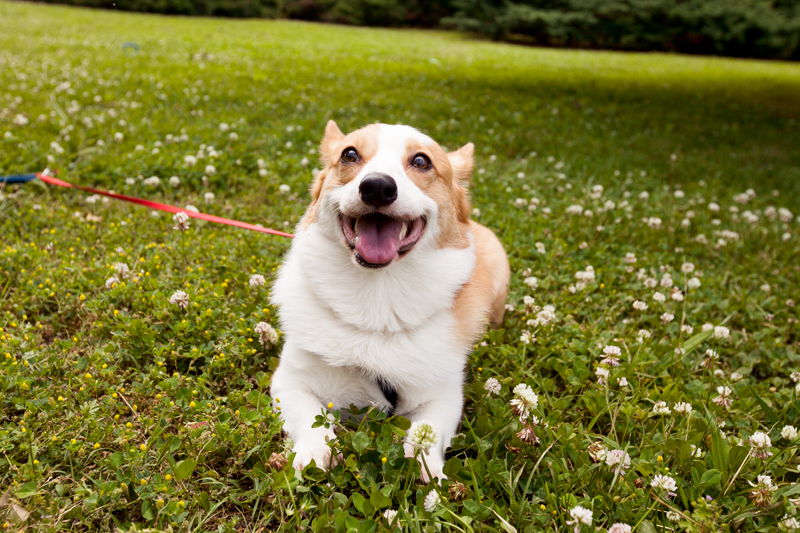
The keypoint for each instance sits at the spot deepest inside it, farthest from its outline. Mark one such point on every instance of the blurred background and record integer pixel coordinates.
(739, 28)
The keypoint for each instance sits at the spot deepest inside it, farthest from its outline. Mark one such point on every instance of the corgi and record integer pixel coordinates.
(385, 289)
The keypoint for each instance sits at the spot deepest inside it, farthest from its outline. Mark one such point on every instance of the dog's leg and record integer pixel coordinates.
(292, 386)
(440, 406)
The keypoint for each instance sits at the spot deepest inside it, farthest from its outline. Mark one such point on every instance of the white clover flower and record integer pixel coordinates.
(686, 328)
(697, 452)
(602, 375)
(257, 280)
(667, 281)
(118, 137)
(661, 408)
(181, 220)
(110, 282)
(789, 523)
(789, 432)
(524, 401)
(209, 197)
(619, 461)
(725, 392)
(575, 210)
(284, 189)
(643, 335)
(179, 298)
(676, 295)
(389, 515)
(721, 332)
(651, 283)
(546, 316)
(630, 258)
(422, 436)
(760, 441)
(492, 386)
(707, 326)
(612, 354)
(267, 335)
(672, 516)
(622, 382)
(580, 515)
(431, 501)
(174, 181)
(527, 337)
(666, 483)
(223, 126)
(190, 160)
(785, 215)
(639, 305)
(211, 170)
(532, 282)
(666, 318)
(736, 376)
(122, 270)
(619, 527)
(152, 181)
(597, 451)
(683, 408)
(20, 120)
(687, 268)
(795, 377)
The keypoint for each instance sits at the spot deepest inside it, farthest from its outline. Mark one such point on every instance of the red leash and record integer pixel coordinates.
(162, 207)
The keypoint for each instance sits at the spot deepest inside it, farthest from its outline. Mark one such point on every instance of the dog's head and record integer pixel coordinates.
(387, 190)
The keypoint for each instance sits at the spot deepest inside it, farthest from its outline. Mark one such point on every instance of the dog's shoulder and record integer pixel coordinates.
(483, 296)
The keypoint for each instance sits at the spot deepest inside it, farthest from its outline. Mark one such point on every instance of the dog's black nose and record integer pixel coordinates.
(378, 189)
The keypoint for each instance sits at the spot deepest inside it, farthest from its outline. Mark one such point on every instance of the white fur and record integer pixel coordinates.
(346, 325)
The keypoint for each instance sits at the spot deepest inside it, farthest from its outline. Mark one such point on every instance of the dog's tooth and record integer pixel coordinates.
(404, 230)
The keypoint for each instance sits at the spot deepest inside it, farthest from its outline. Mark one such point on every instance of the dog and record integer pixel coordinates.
(385, 289)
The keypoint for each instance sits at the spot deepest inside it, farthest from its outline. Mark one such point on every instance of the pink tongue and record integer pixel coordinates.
(378, 238)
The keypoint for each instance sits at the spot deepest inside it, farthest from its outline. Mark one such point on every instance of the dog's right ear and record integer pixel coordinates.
(333, 135)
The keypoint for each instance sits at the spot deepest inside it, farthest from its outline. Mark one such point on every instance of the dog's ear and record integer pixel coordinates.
(461, 162)
(333, 135)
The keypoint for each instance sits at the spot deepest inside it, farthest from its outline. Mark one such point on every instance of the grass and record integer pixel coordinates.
(120, 409)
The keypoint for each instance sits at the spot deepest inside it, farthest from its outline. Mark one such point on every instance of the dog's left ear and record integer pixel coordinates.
(461, 162)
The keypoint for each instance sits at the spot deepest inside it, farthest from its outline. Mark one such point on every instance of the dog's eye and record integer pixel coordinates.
(421, 162)
(350, 156)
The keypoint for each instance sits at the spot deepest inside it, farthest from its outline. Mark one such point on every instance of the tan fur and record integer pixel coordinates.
(484, 296)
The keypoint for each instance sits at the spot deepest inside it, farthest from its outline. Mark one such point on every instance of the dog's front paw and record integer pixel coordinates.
(320, 454)
(432, 464)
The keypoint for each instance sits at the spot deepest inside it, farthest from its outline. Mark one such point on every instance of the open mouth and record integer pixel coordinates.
(377, 239)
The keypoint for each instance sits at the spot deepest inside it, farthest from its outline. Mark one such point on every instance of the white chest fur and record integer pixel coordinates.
(394, 322)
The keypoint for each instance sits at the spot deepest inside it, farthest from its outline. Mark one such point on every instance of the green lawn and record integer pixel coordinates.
(118, 408)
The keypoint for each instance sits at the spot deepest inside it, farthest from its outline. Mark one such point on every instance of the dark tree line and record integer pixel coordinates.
(744, 28)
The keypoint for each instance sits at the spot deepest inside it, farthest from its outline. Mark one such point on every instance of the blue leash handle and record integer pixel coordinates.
(18, 178)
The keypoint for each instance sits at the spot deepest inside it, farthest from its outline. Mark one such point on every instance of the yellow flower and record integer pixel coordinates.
(192, 405)
(129, 425)
(81, 297)
(383, 460)
(143, 447)
(143, 482)
(88, 376)
(168, 477)
(330, 405)
(96, 445)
